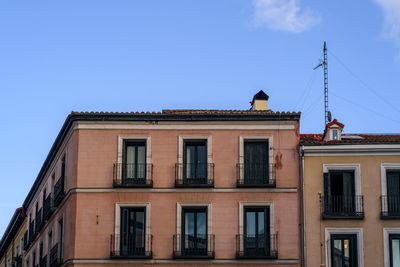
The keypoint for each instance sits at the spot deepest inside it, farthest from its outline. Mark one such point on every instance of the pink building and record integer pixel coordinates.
(192, 187)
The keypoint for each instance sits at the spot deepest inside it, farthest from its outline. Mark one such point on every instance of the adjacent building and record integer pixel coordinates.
(192, 187)
(351, 198)
(12, 242)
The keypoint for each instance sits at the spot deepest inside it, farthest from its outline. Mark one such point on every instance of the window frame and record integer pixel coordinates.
(384, 168)
(117, 228)
(243, 205)
(344, 231)
(326, 168)
(121, 151)
(386, 245)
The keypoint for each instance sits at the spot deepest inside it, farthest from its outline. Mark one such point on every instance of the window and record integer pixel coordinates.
(194, 167)
(193, 238)
(194, 231)
(340, 192)
(344, 250)
(394, 249)
(132, 238)
(195, 162)
(344, 247)
(255, 167)
(133, 167)
(134, 163)
(256, 238)
(256, 231)
(391, 201)
(335, 135)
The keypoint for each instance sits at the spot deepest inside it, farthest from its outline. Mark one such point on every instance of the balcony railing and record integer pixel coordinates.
(43, 261)
(133, 175)
(342, 207)
(47, 208)
(129, 247)
(32, 233)
(256, 175)
(39, 221)
(390, 207)
(194, 174)
(257, 246)
(194, 247)
(55, 256)
(59, 191)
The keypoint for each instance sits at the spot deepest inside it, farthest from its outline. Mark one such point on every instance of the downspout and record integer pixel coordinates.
(303, 225)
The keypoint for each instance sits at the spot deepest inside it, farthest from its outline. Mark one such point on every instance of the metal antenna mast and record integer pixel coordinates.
(324, 64)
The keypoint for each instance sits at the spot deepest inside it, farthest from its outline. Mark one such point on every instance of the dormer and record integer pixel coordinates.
(260, 101)
(333, 131)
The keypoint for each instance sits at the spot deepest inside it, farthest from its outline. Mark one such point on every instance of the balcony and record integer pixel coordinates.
(59, 191)
(55, 256)
(390, 207)
(47, 208)
(194, 247)
(257, 246)
(343, 207)
(128, 248)
(256, 175)
(132, 175)
(43, 261)
(194, 175)
(39, 221)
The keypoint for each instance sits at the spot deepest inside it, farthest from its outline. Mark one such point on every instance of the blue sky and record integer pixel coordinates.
(94, 55)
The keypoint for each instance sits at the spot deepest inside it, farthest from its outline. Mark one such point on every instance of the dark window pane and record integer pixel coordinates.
(256, 162)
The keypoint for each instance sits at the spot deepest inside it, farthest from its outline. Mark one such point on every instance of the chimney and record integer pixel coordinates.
(260, 101)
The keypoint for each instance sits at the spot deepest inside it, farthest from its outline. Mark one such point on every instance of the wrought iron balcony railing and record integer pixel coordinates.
(47, 208)
(55, 256)
(342, 207)
(130, 247)
(256, 175)
(390, 207)
(39, 220)
(59, 191)
(133, 175)
(194, 247)
(257, 246)
(194, 174)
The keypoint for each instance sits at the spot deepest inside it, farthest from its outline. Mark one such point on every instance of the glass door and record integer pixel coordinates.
(256, 231)
(340, 192)
(194, 232)
(134, 165)
(195, 162)
(393, 191)
(394, 246)
(132, 239)
(344, 251)
(256, 169)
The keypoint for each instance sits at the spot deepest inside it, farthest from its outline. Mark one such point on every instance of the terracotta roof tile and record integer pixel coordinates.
(317, 139)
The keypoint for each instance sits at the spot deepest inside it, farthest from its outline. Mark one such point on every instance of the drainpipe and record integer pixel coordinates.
(303, 207)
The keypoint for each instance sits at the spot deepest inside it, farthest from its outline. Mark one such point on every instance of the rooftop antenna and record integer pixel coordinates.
(324, 64)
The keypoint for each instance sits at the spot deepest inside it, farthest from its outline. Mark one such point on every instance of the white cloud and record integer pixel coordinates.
(284, 15)
(391, 13)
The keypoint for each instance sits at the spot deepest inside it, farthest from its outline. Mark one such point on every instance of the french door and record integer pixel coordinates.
(132, 238)
(256, 231)
(194, 232)
(256, 168)
(344, 250)
(134, 163)
(195, 162)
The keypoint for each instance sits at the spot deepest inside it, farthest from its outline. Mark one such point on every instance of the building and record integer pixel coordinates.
(12, 242)
(192, 187)
(351, 198)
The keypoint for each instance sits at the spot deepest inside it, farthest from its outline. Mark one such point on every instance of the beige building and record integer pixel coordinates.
(351, 198)
(12, 242)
